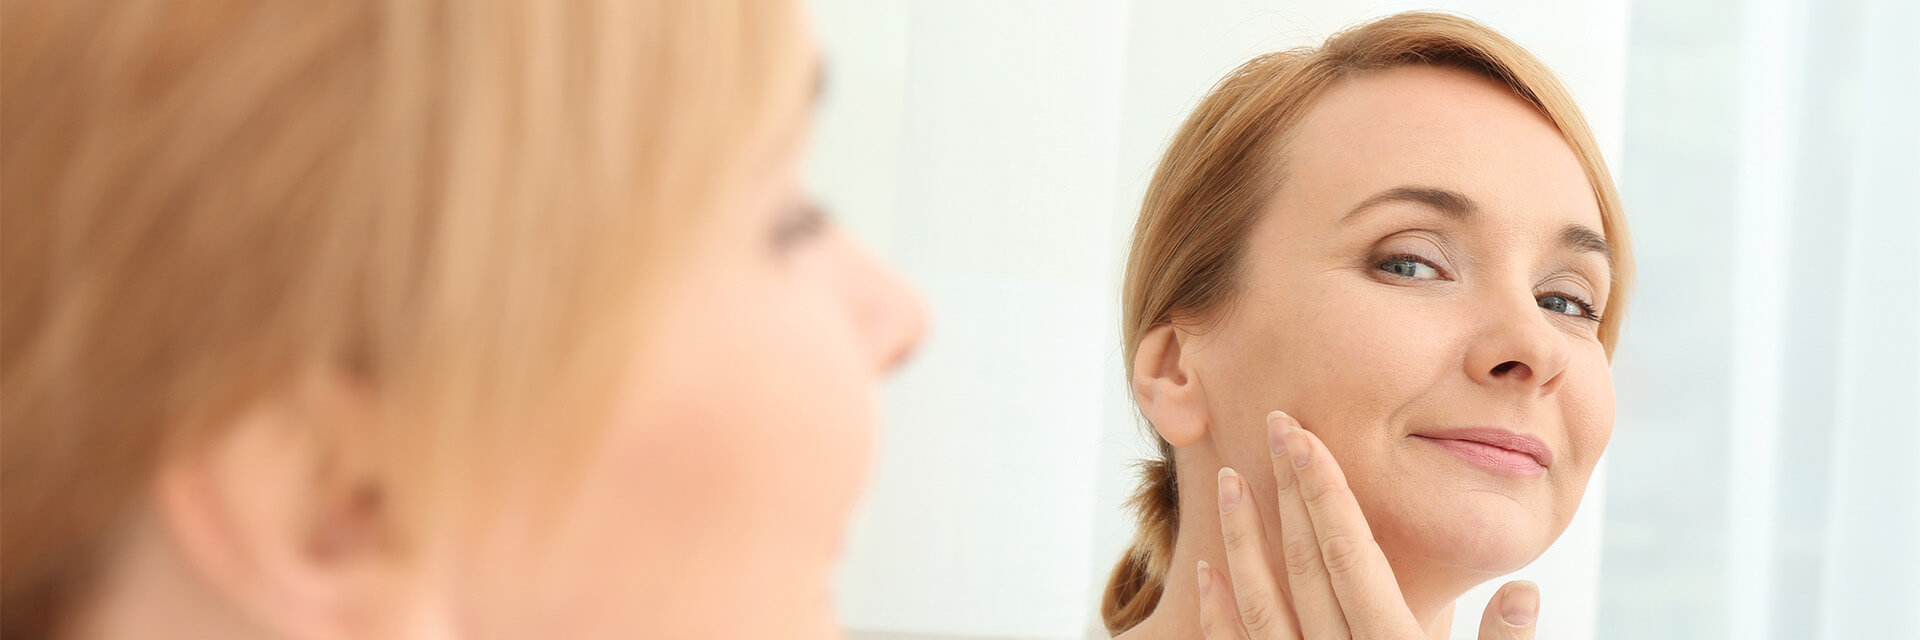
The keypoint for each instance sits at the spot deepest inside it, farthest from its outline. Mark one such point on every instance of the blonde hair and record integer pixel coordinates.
(463, 207)
(1218, 173)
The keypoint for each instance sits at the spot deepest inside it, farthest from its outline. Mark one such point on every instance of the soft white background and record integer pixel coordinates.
(1761, 483)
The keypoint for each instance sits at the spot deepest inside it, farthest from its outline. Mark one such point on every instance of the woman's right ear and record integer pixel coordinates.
(1166, 387)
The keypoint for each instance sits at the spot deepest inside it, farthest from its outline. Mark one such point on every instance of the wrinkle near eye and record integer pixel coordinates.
(1423, 245)
(1571, 283)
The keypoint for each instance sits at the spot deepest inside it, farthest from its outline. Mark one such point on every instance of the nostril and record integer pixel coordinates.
(1509, 365)
(898, 357)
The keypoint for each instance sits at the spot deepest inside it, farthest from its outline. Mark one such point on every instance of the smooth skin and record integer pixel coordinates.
(1340, 583)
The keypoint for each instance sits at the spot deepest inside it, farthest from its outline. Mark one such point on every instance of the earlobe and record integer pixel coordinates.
(1167, 388)
(275, 525)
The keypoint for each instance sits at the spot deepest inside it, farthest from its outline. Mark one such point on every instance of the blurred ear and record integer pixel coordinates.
(1166, 387)
(281, 516)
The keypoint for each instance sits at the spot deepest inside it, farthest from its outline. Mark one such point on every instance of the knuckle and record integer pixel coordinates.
(1326, 494)
(1302, 557)
(1234, 537)
(1256, 616)
(1342, 553)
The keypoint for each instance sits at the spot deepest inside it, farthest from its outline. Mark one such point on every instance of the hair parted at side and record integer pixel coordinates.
(464, 208)
(1218, 172)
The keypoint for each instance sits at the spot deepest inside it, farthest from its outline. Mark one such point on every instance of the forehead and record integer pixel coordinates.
(1439, 127)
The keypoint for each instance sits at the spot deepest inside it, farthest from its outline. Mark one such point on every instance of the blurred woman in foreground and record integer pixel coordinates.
(364, 319)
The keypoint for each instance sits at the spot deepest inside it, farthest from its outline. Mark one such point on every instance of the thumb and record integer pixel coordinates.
(1512, 612)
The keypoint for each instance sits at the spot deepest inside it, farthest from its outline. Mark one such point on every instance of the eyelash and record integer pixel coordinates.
(1587, 310)
(1408, 257)
(804, 222)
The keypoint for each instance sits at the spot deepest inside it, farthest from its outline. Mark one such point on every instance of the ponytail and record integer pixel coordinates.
(1136, 584)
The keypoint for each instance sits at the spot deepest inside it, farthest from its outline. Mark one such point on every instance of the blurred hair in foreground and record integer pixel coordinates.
(462, 207)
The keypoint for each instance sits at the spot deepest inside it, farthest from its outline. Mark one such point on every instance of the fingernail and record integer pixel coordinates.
(1206, 578)
(1229, 489)
(1521, 604)
(1277, 423)
(1297, 446)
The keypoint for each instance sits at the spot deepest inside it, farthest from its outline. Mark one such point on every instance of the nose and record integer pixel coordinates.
(889, 314)
(1519, 349)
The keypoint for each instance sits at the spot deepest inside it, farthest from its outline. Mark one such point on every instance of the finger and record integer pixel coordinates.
(1313, 601)
(1362, 580)
(1219, 620)
(1511, 613)
(1255, 591)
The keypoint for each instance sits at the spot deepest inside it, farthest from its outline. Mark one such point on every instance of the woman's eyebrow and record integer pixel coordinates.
(1580, 237)
(1458, 206)
(1453, 203)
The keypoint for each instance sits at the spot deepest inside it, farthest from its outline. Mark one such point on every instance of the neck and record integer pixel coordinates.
(1430, 597)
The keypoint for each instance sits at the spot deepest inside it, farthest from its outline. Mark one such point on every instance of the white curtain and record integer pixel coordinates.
(1767, 461)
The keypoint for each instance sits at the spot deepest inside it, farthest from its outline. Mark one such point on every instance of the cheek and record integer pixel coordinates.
(1359, 354)
(1345, 358)
(755, 412)
(1588, 411)
(725, 480)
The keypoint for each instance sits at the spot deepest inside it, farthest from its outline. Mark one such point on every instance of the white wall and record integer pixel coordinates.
(996, 150)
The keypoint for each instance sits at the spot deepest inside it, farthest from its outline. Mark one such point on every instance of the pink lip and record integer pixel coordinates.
(1495, 449)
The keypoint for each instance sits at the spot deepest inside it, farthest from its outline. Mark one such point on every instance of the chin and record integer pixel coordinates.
(1474, 533)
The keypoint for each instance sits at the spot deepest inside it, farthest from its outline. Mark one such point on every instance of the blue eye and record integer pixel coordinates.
(1410, 267)
(1567, 305)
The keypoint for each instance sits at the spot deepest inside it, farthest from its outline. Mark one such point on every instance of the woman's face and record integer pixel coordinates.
(717, 504)
(1426, 267)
